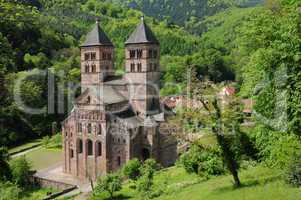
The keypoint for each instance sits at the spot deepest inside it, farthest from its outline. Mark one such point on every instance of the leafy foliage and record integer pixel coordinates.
(132, 169)
(5, 173)
(9, 191)
(202, 161)
(20, 169)
(110, 183)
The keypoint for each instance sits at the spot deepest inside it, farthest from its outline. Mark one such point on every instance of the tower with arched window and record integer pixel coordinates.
(142, 68)
(97, 58)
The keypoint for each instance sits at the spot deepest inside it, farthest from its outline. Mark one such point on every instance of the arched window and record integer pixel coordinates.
(90, 147)
(93, 68)
(99, 129)
(93, 56)
(87, 68)
(71, 153)
(88, 99)
(139, 67)
(79, 128)
(99, 148)
(89, 128)
(118, 160)
(132, 67)
(79, 146)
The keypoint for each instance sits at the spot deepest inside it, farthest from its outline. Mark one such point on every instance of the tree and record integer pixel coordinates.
(145, 183)
(132, 169)
(110, 183)
(21, 171)
(5, 173)
(224, 122)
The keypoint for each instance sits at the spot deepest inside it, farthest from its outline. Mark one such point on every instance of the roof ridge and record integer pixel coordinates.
(97, 37)
(142, 34)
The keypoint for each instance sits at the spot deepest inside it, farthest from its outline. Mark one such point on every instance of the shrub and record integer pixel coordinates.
(5, 173)
(9, 191)
(20, 169)
(46, 141)
(110, 184)
(276, 148)
(132, 169)
(293, 172)
(145, 183)
(203, 161)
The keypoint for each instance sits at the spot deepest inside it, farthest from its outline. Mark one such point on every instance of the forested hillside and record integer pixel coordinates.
(187, 13)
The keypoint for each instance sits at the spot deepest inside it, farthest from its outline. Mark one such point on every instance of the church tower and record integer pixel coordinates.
(142, 67)
(97, 58)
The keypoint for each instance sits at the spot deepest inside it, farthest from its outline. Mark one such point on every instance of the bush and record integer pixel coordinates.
(276, 149)
(9, 191)
(46, 141)
(202, 161)
(110, 183)
(293, 172)
(132, 169)
(52, 142)
(5, 173)
(20, 169)
(145, 183)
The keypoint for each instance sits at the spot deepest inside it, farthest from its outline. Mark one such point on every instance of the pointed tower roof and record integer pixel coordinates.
(143, 34)
(97, 37)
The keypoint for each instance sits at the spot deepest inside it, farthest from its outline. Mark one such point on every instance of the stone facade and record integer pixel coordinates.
(116, 119)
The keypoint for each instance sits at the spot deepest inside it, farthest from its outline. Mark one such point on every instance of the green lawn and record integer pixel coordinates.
(37, 194)
(25, 146)
(259, 183)
(43, 158)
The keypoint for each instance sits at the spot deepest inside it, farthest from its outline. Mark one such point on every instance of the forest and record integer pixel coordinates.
(255, 45)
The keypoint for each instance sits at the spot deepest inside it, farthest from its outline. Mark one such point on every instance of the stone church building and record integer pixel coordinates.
(117, 118)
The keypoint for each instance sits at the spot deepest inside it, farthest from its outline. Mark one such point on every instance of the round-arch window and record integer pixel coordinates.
(90, 148)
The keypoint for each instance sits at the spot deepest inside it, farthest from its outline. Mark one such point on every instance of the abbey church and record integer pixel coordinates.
(117, 118)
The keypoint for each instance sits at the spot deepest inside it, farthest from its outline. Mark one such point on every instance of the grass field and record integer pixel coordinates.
(37, 194)
(43, 158)
(258, 183)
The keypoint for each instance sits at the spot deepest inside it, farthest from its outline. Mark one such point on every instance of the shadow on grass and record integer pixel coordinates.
(118, 197)
(246, 184)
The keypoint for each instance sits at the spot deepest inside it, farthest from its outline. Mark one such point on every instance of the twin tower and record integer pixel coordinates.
(116, 118)
(142, 67)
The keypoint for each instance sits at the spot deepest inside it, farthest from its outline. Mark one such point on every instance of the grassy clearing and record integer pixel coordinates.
(43, 158)
(36, 194)
(25, 146)
(259, 183)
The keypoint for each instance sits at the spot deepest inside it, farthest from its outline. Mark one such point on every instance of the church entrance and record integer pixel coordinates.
(145, 154)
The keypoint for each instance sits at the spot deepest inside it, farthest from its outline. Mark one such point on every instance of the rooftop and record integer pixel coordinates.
(143, 34)
(97, 37)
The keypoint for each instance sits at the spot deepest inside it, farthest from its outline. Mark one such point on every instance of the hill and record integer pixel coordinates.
(259, 183)
(184, 12)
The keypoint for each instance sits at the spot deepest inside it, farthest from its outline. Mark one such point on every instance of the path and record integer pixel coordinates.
(25, 152)
(55, 173)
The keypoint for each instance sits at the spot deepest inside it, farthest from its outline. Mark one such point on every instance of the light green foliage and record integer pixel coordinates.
(293, 171)
(20, 169)
(37, 61)
(9, 191)
(52, 142)
(110, 184)
(203, 161)
(145, 183)
(132, 169)
(46, 141)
